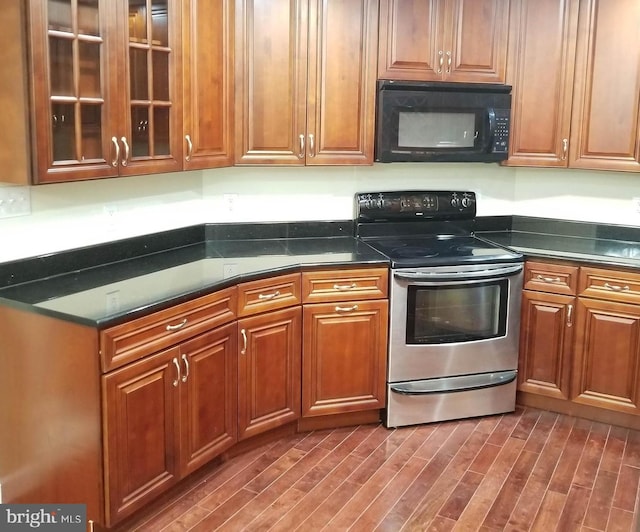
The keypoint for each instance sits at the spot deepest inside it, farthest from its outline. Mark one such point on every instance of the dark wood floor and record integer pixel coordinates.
(530, 470)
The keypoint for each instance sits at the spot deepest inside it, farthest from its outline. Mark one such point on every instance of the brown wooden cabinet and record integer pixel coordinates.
(547, 325)
(344, 355)
(436, 40)
(269, 350)
(569, 59)
(306, 73)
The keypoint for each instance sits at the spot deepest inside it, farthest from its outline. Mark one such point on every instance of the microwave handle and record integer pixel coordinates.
(491, 112)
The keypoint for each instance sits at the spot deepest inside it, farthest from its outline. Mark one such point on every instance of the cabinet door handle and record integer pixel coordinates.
(243, 351)
(312, 146)
(301, 151)
(177, 325)
(548, 279)
(616, 288)
(448, 62)
(565, 149)
(189, 147)
(125, 159)
(266, 297)
(440, 61)
(186, 368)
(175, 363)
(114, 161)
(569, 315)
(344, 286)
(346, 309)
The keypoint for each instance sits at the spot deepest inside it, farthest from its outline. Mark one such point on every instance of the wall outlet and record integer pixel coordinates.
(635, 202)
(14, 201)
(230, 201)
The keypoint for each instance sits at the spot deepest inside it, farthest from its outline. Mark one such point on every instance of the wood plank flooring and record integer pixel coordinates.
(528, 470)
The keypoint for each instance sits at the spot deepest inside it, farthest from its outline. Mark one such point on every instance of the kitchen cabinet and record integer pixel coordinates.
(105, 85)
(547, 325)
(169, 412)
(269, 350)
(606, 368)
(569, 59)
(344, 357)
(207, 62)
(443, 40)
(305, 81)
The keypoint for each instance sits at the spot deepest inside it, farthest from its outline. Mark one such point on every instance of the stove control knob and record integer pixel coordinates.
(455, 201)
(466, 202)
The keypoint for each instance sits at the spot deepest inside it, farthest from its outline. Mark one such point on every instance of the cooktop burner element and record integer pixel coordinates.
(422, 228)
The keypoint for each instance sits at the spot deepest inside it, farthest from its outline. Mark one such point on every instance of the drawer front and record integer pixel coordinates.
(141, 337)
(611, 285)
(341, 285)
(274, 293)
(554, 278)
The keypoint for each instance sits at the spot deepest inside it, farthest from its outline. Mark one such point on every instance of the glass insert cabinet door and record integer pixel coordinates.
(103, 87)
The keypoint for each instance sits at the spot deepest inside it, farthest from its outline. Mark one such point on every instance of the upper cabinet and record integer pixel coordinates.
(130, 87)
(575, 71)
(443, 40)
(305, 75)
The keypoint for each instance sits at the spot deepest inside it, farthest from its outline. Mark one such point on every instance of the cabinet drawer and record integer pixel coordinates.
(140, 337)
(341, 285)
(255, 297)
(554, 278)
(609, 284)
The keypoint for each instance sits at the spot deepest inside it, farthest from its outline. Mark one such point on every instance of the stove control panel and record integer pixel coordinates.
(415, 204)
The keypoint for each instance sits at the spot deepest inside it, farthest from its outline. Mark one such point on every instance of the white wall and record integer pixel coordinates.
(70, 215)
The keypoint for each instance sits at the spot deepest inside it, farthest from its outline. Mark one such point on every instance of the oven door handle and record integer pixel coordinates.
(489, 273)
(459, 383)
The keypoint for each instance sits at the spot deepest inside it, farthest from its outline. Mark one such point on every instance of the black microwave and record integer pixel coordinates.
(420, 121)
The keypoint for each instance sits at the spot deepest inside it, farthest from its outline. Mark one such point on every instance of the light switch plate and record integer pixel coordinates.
(14, 201)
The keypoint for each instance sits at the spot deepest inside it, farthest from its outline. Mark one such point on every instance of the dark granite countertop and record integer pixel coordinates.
(106, 294)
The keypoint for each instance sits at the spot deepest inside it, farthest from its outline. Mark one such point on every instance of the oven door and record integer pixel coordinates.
(448, 321)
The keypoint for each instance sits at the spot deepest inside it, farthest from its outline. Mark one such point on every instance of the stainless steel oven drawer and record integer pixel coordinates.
(429, 400)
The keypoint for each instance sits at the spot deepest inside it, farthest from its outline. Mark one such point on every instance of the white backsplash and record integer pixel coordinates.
(71, 215)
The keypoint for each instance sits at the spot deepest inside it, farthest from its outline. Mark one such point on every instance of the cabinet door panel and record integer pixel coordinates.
(605, 123)
(272, 81)
(545, 344)
(541, 72)
(140, 435)
(342, 76)
(208, 397)
(268, 371)
(409, 39)
(208, 83)
(344, 357)
(607, 355)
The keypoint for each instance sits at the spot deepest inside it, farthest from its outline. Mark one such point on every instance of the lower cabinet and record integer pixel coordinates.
(268, 371)
(165, 416)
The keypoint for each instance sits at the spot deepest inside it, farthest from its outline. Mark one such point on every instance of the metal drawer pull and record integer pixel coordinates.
(301, 151)
(347, 309)
(189, 147)
(115, 160)
(186, 368)
(125, 159)
(312, 146)
(616, 288)
(448, 62)
(569, 315)
(269, 296)
(177, 325)
(175, 363)
(243, 351)
(548, 279)
(344, 286)
(440, 61)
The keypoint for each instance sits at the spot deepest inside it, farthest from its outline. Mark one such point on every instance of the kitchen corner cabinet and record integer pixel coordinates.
(443, 40)
(269, 350)
(105, 81)
(547, 325)
(305, 81)
(567, 61)
(344, 357)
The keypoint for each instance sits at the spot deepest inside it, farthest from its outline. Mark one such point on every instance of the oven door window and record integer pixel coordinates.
(437, 130)
(456, 313)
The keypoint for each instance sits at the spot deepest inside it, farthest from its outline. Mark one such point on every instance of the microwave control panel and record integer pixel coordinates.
(501, 133)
